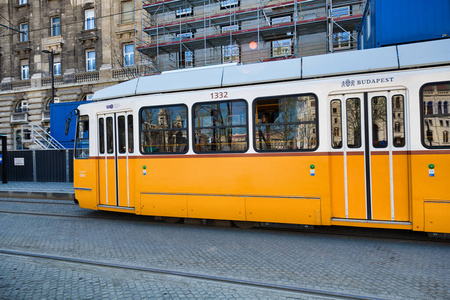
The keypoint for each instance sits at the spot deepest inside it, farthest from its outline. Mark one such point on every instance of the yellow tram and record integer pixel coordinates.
(353, 139)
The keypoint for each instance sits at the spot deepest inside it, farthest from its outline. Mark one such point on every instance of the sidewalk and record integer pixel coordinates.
(37, 190)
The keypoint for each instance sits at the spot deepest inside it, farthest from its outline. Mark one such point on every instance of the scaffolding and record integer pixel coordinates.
(186, 33)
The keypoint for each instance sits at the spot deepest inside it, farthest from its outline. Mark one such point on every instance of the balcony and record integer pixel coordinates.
(19, 118)
(21, 84)
(87, 76)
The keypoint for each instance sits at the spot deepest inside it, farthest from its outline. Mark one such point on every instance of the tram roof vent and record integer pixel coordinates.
(378, 59)
(423, 54)
(264, 72)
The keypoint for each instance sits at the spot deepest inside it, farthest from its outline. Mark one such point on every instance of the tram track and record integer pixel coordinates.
(187, 275)
(331, 231)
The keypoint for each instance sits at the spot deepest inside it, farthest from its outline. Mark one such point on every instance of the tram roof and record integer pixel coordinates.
(350, 62)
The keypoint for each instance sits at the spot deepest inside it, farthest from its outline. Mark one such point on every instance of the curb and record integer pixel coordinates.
(38, 195)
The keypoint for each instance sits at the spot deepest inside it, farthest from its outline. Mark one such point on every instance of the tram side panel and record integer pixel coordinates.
(430, 190)
(235, 187)
(85, 183)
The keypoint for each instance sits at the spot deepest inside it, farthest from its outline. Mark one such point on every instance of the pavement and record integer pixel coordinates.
(37, 190)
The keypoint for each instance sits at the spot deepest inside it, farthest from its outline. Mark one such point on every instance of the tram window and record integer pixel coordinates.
(398, 120)
(164, 129)
(121, 129)
(130, 134)
(82, 138)
(435, 99)
(379, 123)
(109, 135)
(336, 124)
(101, 134)
(286, 123)
(220, 127)
(353, 122)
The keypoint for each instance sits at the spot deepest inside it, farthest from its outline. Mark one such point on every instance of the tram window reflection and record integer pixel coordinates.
(101, 134)
(82, 138)
(130, 134)
(286, 123)
(435, 121)
(121, 128)
(109, 135)
(398, 121)
(220, 127)
(353, 122)
(163, 129)
(336, 124)
(379, 122)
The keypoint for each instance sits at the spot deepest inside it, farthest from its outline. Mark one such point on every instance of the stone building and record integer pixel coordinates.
(97, 43)
(92, 44)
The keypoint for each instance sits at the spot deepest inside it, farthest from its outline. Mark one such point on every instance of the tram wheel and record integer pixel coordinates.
(244, 224)
(171, 220)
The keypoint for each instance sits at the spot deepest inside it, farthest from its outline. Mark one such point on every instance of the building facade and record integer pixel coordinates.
(181, 33)
(91, 44)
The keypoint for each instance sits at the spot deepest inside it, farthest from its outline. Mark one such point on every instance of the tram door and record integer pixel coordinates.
(370, 168)
(115, 146)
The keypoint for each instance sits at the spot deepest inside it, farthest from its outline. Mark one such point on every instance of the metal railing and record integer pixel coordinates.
(40, 137)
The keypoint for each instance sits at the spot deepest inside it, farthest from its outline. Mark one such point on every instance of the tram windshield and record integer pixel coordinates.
(82, 138)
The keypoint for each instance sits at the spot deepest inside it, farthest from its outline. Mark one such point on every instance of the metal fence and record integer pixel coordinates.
(39, 165)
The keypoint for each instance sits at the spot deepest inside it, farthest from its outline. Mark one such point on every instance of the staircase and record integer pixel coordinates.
(38, 136)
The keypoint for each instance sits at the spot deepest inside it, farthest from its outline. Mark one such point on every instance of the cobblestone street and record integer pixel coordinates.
(366, 267)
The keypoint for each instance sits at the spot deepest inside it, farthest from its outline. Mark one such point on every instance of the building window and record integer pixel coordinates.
(163, 129)
(90, 61)
(229, 28)
(186, 35)
(128, 55)
(282, 47)
(23, 2)
(341, 40)
(47, 104)
(127, 11)
(184, 12)
(286, 123)
(89, 19)
(25, 72)
(229, 3)
(186, 59)
(24, 32)
(220, 127)
(56, 26)
(341, 11)
(57, 68)
(435, 114)
(230, 54)
(21, 107)
(280, 20)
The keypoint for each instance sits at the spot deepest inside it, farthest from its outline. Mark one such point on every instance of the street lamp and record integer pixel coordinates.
(51, 73)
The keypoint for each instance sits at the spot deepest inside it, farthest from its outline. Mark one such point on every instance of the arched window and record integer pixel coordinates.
(445, 107)
(21, 107)
(445, 136)
(47, 104)
(440, 108)
(429, 108)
